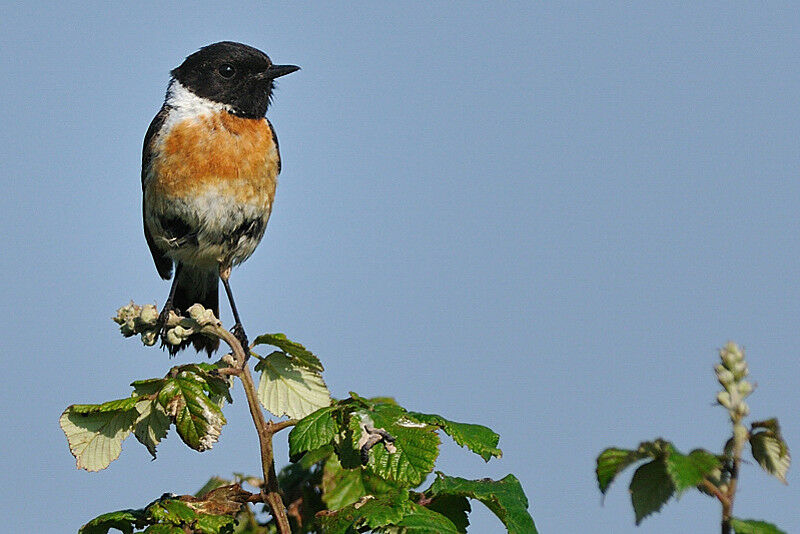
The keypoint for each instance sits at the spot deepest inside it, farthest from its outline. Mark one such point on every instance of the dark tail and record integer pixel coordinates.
(196, 286)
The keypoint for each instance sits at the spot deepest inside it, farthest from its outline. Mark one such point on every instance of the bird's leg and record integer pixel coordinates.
(168, 306)
(238, 329)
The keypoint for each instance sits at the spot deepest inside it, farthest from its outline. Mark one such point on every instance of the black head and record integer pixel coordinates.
(234, 74)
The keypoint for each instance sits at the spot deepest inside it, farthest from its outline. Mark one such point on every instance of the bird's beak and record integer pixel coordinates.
(276, 71)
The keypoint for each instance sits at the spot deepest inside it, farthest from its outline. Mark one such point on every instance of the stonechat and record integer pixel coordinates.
(210, 165)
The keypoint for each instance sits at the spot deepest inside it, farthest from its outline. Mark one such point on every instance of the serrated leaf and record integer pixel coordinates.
(171, 511)
(163, 529)
(286, 388)
(152, 424)
(214, 524)
(149, 386)
(455, 507)
(197, 418)
(504, 497)
(650, 488)
(95, 432)
(106, 407)
(687, 471)
(298, 352)
(771, 453)
(313, 431)
(752, 526)
(612, 462)
(417, 445)
(422, 520)
(122, 520)
(477, 438)
(341, 487)
(317, 455)
(370, 512)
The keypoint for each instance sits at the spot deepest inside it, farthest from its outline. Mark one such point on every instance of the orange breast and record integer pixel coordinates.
(221, 152)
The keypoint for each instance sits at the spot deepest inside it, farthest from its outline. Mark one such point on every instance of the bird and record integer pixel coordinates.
(210, 164)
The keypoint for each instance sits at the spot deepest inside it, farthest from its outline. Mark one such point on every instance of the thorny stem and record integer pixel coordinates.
(270, 492)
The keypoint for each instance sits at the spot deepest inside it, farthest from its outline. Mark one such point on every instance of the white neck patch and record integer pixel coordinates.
(187, 105)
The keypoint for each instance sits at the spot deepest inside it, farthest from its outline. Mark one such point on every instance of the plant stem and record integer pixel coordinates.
(740, 435)
(265, 430)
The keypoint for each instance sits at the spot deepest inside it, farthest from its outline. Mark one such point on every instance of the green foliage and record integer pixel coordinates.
(651, 487)
(769, 449)
(296, 351)
(504, 497)
(188, 397)
(289, 388)
(95, 432)
(356, 462)
(751, 526)
(668, 472)
(215, 513)
(348, 424)
(479, 439)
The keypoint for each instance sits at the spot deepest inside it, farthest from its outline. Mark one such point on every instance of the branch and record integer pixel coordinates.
(144, 320)
(712, 488)
(265, 430)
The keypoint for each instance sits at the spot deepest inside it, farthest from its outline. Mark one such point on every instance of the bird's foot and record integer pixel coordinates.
(162, 323)
(238, 332)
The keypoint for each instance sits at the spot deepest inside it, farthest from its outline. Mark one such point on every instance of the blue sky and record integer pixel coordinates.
(542, 218)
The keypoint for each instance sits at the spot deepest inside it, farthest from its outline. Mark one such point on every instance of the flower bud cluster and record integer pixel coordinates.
(133, 319)
(731, 374)
(143, 320)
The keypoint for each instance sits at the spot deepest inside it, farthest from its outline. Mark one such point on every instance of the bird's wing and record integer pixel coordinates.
(163, 262)
(277, 147)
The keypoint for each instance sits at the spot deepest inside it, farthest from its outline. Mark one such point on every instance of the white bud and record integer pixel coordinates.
(149, 314)
(196, 311)
(742, 409)
(724, 398)
(725, 377)
(745, 388)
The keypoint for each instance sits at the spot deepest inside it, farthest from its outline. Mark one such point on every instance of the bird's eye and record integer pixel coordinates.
(226, 71)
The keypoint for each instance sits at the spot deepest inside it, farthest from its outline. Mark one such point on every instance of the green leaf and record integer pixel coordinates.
(197, 418)
(416, 445)
(149, 386)
(123, 520)
(477, 438)
(286, 388)
(313, 431)
(650, 488)
(341, 487)
(370, 512)
(771, 453)
(95, 432)
(298, 352)
(214, 524)
(503, 497)
(163, 529)
(455, 507)
(421, 520)
(752, 526)
(613, 461)
(171, 511)
(151, 425)
(687, 471)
